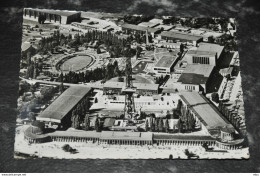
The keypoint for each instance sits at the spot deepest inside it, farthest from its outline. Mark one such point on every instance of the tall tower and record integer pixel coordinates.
(129, 90)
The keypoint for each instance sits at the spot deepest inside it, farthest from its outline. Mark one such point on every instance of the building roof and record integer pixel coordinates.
(206, 112)
(56, 12)
(201, 69)
(165, 27)
(180, 137)
(190, 78)
(211, 47)
(166, 61)
(181, 36)
(109, 122)
(148, 24)
(139, 86)
(201, 53)
(139, 28)
(26, 46)
(64, 103)
(76, 133)
(196, 74)
(126, 135)
(115, 85)
(144, 86)
(156, 20)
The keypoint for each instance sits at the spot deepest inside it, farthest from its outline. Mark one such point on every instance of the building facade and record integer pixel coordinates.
(54, 16)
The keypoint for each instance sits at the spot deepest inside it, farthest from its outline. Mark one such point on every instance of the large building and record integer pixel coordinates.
(54, 16)
(206, 53)
(180, 37)
(211, 119)
(139, 29)
(141, 88)
(165, 65)
(59, 112)
(195, 78)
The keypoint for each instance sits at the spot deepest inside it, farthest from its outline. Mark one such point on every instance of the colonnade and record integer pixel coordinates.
(36, 140)
(74, 139)
(185, 142)
(126, 142)
(227, 146)
(133, 142)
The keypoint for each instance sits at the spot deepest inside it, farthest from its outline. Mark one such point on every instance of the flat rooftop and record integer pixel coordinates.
(112, 135)
(211, 47)
(55, 12)
(166, 61)
(148, 24)
(201, 53)
(181, 36)
(64, 103)
(196, 74)
(181, 137)
(201, 69)
(139, 28)
(139, 86)
(205, 111)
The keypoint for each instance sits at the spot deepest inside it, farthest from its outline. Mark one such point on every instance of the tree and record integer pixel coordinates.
(166, 127)
(98, 51)
(151, 125)
(138, 51)
(87, 122)
(77, 122)
(35, 72)
(41, 18)
(160, 125)
(215, 97)
(97, 125)
(61, 88)
(146, 125)
(181, 48)
(156, 125)
(180, 125)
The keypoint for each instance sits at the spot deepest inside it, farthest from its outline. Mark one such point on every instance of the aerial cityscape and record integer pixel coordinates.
(112, 86)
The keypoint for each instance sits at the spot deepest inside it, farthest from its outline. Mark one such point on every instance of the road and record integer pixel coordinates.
(33, 81)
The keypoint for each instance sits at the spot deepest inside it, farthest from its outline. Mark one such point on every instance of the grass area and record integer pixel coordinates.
(76, 63)
(139, 68)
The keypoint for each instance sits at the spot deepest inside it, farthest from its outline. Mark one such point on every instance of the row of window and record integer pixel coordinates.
(190, 87)
(163, 69)
(200, 60)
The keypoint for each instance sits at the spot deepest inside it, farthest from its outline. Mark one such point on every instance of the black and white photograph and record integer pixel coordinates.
(98, 85)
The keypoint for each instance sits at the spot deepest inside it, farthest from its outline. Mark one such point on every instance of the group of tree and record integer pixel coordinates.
(187, 121)
(209, 23)
(103, 73)
(79, 114)
(230, 114)
(161, 80)
(157, 124)
(98, 125)
(132, 19)
(47, 92)
(32, 71)
(215, 97)
(111, 42)
(41, 18)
